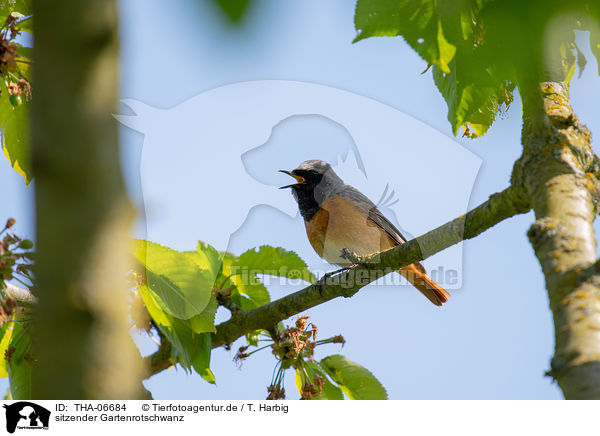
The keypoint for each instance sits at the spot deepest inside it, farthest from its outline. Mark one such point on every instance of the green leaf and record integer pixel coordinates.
(356, 381)
(457, 19)
(24, 61)
(201, 362)
(176, 278)
(22, 6)
(569, 60)
(26, 244)
(192, 349)
(15, 136)
(473, 98)
(210, 257)
(6, 7)
(173, 328)
(206, 257)
(205, 322)
(329, 391)
(595, 45)
(253, 337)
(25, 52)
(6, 331)
(418, 21)
(233, 9)
(19, 368)
(453, 38)
(242, 273)
(26, 24)
(275, 261)
(250, 292)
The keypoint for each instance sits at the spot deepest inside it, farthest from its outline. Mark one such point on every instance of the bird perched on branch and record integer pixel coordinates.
(338, 216)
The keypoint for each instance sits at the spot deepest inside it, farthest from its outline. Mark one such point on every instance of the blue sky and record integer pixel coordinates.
(494, 340)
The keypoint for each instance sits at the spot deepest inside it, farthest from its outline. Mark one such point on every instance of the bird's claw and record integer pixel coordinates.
(351, 256)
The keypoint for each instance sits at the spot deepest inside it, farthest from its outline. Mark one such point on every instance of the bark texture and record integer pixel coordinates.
(557, 172)
(81, 340)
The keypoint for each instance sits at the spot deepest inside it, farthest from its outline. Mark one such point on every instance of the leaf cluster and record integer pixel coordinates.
(181, 291)
(481, 49)
(15, 85)
(16, 355)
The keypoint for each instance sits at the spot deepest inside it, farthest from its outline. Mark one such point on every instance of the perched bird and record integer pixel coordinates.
(338, 216)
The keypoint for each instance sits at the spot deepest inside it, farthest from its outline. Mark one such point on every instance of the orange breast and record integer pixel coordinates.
(339, 224)
(316, 230)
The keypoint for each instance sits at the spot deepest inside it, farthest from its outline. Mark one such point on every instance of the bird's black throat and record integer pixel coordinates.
(316, 182)
(307, 203)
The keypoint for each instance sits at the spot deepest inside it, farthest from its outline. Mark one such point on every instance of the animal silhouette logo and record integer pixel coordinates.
(26, 415)
(208, 166)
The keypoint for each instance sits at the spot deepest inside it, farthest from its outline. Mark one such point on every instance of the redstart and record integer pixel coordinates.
(338, 216)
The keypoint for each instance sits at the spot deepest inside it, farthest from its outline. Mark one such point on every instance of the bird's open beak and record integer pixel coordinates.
(299, 179)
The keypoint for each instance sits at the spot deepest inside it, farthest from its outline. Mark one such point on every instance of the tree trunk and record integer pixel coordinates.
(81, 340)
(556, 172)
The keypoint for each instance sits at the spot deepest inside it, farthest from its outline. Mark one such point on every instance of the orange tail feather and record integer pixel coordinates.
(434, 292)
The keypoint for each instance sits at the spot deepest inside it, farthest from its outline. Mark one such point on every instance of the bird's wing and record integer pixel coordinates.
(377, 218)
(373, 214)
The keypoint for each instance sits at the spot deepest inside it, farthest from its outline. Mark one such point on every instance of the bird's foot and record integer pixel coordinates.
(350, 256)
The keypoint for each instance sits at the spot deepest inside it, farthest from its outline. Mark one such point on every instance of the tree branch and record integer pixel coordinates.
(23, 296)
(161, 359)
(556, 170)
(497, 208)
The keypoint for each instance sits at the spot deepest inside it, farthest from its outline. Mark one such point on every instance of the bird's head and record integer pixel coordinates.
(309, 175)
(315, 181)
